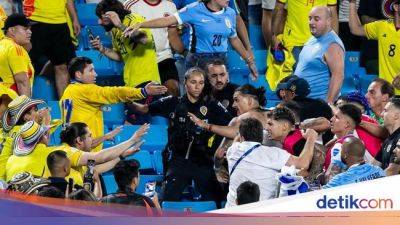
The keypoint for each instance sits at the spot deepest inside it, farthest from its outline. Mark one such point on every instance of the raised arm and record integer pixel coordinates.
(304, 160)
(114, 152)
(355, 25)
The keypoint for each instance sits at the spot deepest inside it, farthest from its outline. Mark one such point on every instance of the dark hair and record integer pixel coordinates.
(251, 130)
(284, 113)
(51, 192)
(247, 192)
(54, 159)
(78, 64)
(256, 93)
(124, 172)
(72, 132)
(395, 101)
(293, 106)
(351, 111)
(111, 5)
(386, 87)
(21, 120)
(83, 195)
(215, 62)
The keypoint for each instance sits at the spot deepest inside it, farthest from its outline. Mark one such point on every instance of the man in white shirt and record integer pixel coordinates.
(164, 38)
(248, 160)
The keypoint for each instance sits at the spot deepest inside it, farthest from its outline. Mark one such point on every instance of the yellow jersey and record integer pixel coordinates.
(87, 100)
(13, 59)
(3, 17)
(35, 162)
(46, 11)
(388, 39)
(140, 60)
(297, 30)
(73, 155)
(6, 152)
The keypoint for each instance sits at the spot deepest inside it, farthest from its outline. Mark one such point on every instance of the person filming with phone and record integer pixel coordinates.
(126, 174)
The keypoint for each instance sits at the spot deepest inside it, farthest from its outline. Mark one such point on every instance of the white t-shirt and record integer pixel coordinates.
(154, 11)
(260, 167)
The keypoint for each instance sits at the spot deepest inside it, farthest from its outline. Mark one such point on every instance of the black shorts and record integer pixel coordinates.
(53, 41)
(167, 70)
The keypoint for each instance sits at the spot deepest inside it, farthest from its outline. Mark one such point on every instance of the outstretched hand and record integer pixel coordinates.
(140, 132)
(154, 88)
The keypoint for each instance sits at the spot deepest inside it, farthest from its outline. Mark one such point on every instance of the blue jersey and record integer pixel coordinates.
(182, 3)
(210, 30)
(355, 174)
(312, 65)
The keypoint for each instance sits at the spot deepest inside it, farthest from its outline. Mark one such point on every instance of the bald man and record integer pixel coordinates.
(353, 151)
(321, 61)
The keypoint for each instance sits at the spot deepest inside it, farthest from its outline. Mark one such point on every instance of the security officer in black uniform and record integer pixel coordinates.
(191, 158)
(218, 86)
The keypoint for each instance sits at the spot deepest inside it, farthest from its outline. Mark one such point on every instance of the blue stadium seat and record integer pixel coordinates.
(54, 109)
(256, 37)
(55, 113)
(351, 71)
(96, 31)
(103, 65)
(44, 89)
(87, 14)
(156, 137)
(148, 178)
(260, 57)
(109, 181)
(146, 163)
(113, 115)
(159, 120)
(235, 62)
(189, 206)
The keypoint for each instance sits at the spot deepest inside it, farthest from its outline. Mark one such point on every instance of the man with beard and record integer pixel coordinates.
(220, 87)
(137, 51)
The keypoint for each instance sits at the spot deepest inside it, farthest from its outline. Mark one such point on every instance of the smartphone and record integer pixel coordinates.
(90, 34)
(150, 189)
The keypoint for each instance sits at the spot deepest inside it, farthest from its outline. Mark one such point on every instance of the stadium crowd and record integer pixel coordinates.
(224, 144)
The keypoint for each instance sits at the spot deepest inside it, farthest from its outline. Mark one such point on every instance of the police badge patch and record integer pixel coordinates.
(203, 110)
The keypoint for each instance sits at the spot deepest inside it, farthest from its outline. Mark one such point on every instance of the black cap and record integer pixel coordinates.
(15, 20)
(296, 84)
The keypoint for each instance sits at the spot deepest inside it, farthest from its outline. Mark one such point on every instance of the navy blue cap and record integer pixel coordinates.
(295, 84)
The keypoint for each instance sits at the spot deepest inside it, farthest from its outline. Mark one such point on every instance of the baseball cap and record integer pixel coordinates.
(296, 84)
(17, 19)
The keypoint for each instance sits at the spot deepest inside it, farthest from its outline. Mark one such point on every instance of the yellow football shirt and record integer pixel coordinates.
(3, 17)
(297, 30)
(87, 100)
(140, 60)
(389, 48)
(46, 11)
(6, 152)
(13, 59)
(73, 155)
(35, 162)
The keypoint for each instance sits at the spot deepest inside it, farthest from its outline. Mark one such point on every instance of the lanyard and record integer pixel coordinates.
(243, 156)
